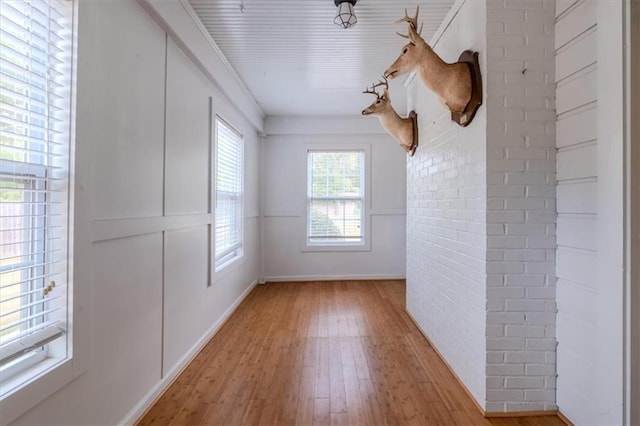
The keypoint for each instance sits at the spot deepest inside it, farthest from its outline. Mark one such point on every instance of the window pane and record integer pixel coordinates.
(21, 257)
(336, 192)
(35, 110)
(336, 174)
(339, 220)
(229, 177)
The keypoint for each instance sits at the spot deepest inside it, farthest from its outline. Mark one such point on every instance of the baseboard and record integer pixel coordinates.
(564, 419)
(510, 414)
(446, 363)
(141, 408)
(468, 392)
(285, 278)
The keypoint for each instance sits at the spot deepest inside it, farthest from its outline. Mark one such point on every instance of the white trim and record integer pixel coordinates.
(372, 212)
(112, 229)
(211, 195)
(288, 278)
(147, 401)
(262, 187)
(633, 211)
(365, 244)
(219, 268)
(54, 374)
(336, 247)
(180, 22)
(196, 20)
(444, 25)
(322, 125)
(612, 283)
(388, 212)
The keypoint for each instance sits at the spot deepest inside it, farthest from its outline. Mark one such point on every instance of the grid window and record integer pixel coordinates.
(335, 211)
(228, 211)
(35, 112)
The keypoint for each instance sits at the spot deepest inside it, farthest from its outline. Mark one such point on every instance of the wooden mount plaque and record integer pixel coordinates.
(414, 143)
(465, 117)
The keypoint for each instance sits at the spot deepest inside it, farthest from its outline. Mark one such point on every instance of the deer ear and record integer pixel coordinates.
(386, 94)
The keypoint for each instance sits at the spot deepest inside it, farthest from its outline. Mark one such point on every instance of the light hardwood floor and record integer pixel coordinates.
(321, 353)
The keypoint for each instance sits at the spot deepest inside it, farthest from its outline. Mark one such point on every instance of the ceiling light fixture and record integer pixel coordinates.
(345, 16)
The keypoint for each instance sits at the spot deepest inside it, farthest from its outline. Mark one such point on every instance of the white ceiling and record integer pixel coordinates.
(295, 61)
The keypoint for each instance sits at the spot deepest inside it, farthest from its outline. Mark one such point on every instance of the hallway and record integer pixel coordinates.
(340, 352)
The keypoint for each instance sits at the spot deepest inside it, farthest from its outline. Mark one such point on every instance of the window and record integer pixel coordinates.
(228, 211)
(335, 200)
(36, 63)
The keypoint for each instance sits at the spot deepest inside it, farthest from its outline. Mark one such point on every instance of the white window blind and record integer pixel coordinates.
(229, 177)
(35, 81)
(335, 211)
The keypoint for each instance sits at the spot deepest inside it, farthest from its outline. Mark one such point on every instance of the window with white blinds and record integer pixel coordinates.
(335, 211)
(35, 109)
(229, 183)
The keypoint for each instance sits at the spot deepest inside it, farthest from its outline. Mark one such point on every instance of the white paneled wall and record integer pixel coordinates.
(142, 214)
(577, 173)
(187, 138)
(187, 190)
(446, 210)
(285, 192)
(592, 286)
(474, 211)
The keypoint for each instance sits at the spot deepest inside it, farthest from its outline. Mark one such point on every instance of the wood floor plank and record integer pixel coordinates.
(304, 412)
(355, 405)
(360, 359)
(370, 404)
(321, 412)
(336, 378)
(321, 353)
(323, 389)
(253, 412)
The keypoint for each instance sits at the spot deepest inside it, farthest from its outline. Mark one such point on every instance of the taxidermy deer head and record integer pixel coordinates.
(451, 82)
(403, 130)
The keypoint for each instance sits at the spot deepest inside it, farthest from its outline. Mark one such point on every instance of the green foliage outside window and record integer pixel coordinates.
(336, 174)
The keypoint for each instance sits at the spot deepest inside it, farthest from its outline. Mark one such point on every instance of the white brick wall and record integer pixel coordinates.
(446, 204)
(481, 211)
(521, 240)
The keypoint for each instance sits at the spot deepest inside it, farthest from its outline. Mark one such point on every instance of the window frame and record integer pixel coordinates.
(49, 370)
(365, 244)
(235, 253)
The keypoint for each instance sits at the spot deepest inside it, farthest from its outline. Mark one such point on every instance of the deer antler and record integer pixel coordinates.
(410, 21)
(384, 83)
(372, 91)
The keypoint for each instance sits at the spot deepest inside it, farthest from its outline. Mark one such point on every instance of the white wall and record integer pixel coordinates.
(592, 284)
(284, 183)
(446, 215)
(481, 210)
(142, 214)
(634, 199)
(577, 254)
(521, 206)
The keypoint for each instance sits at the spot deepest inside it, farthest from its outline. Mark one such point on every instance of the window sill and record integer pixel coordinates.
(336, 247)
(48, 375)
(220, 271)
